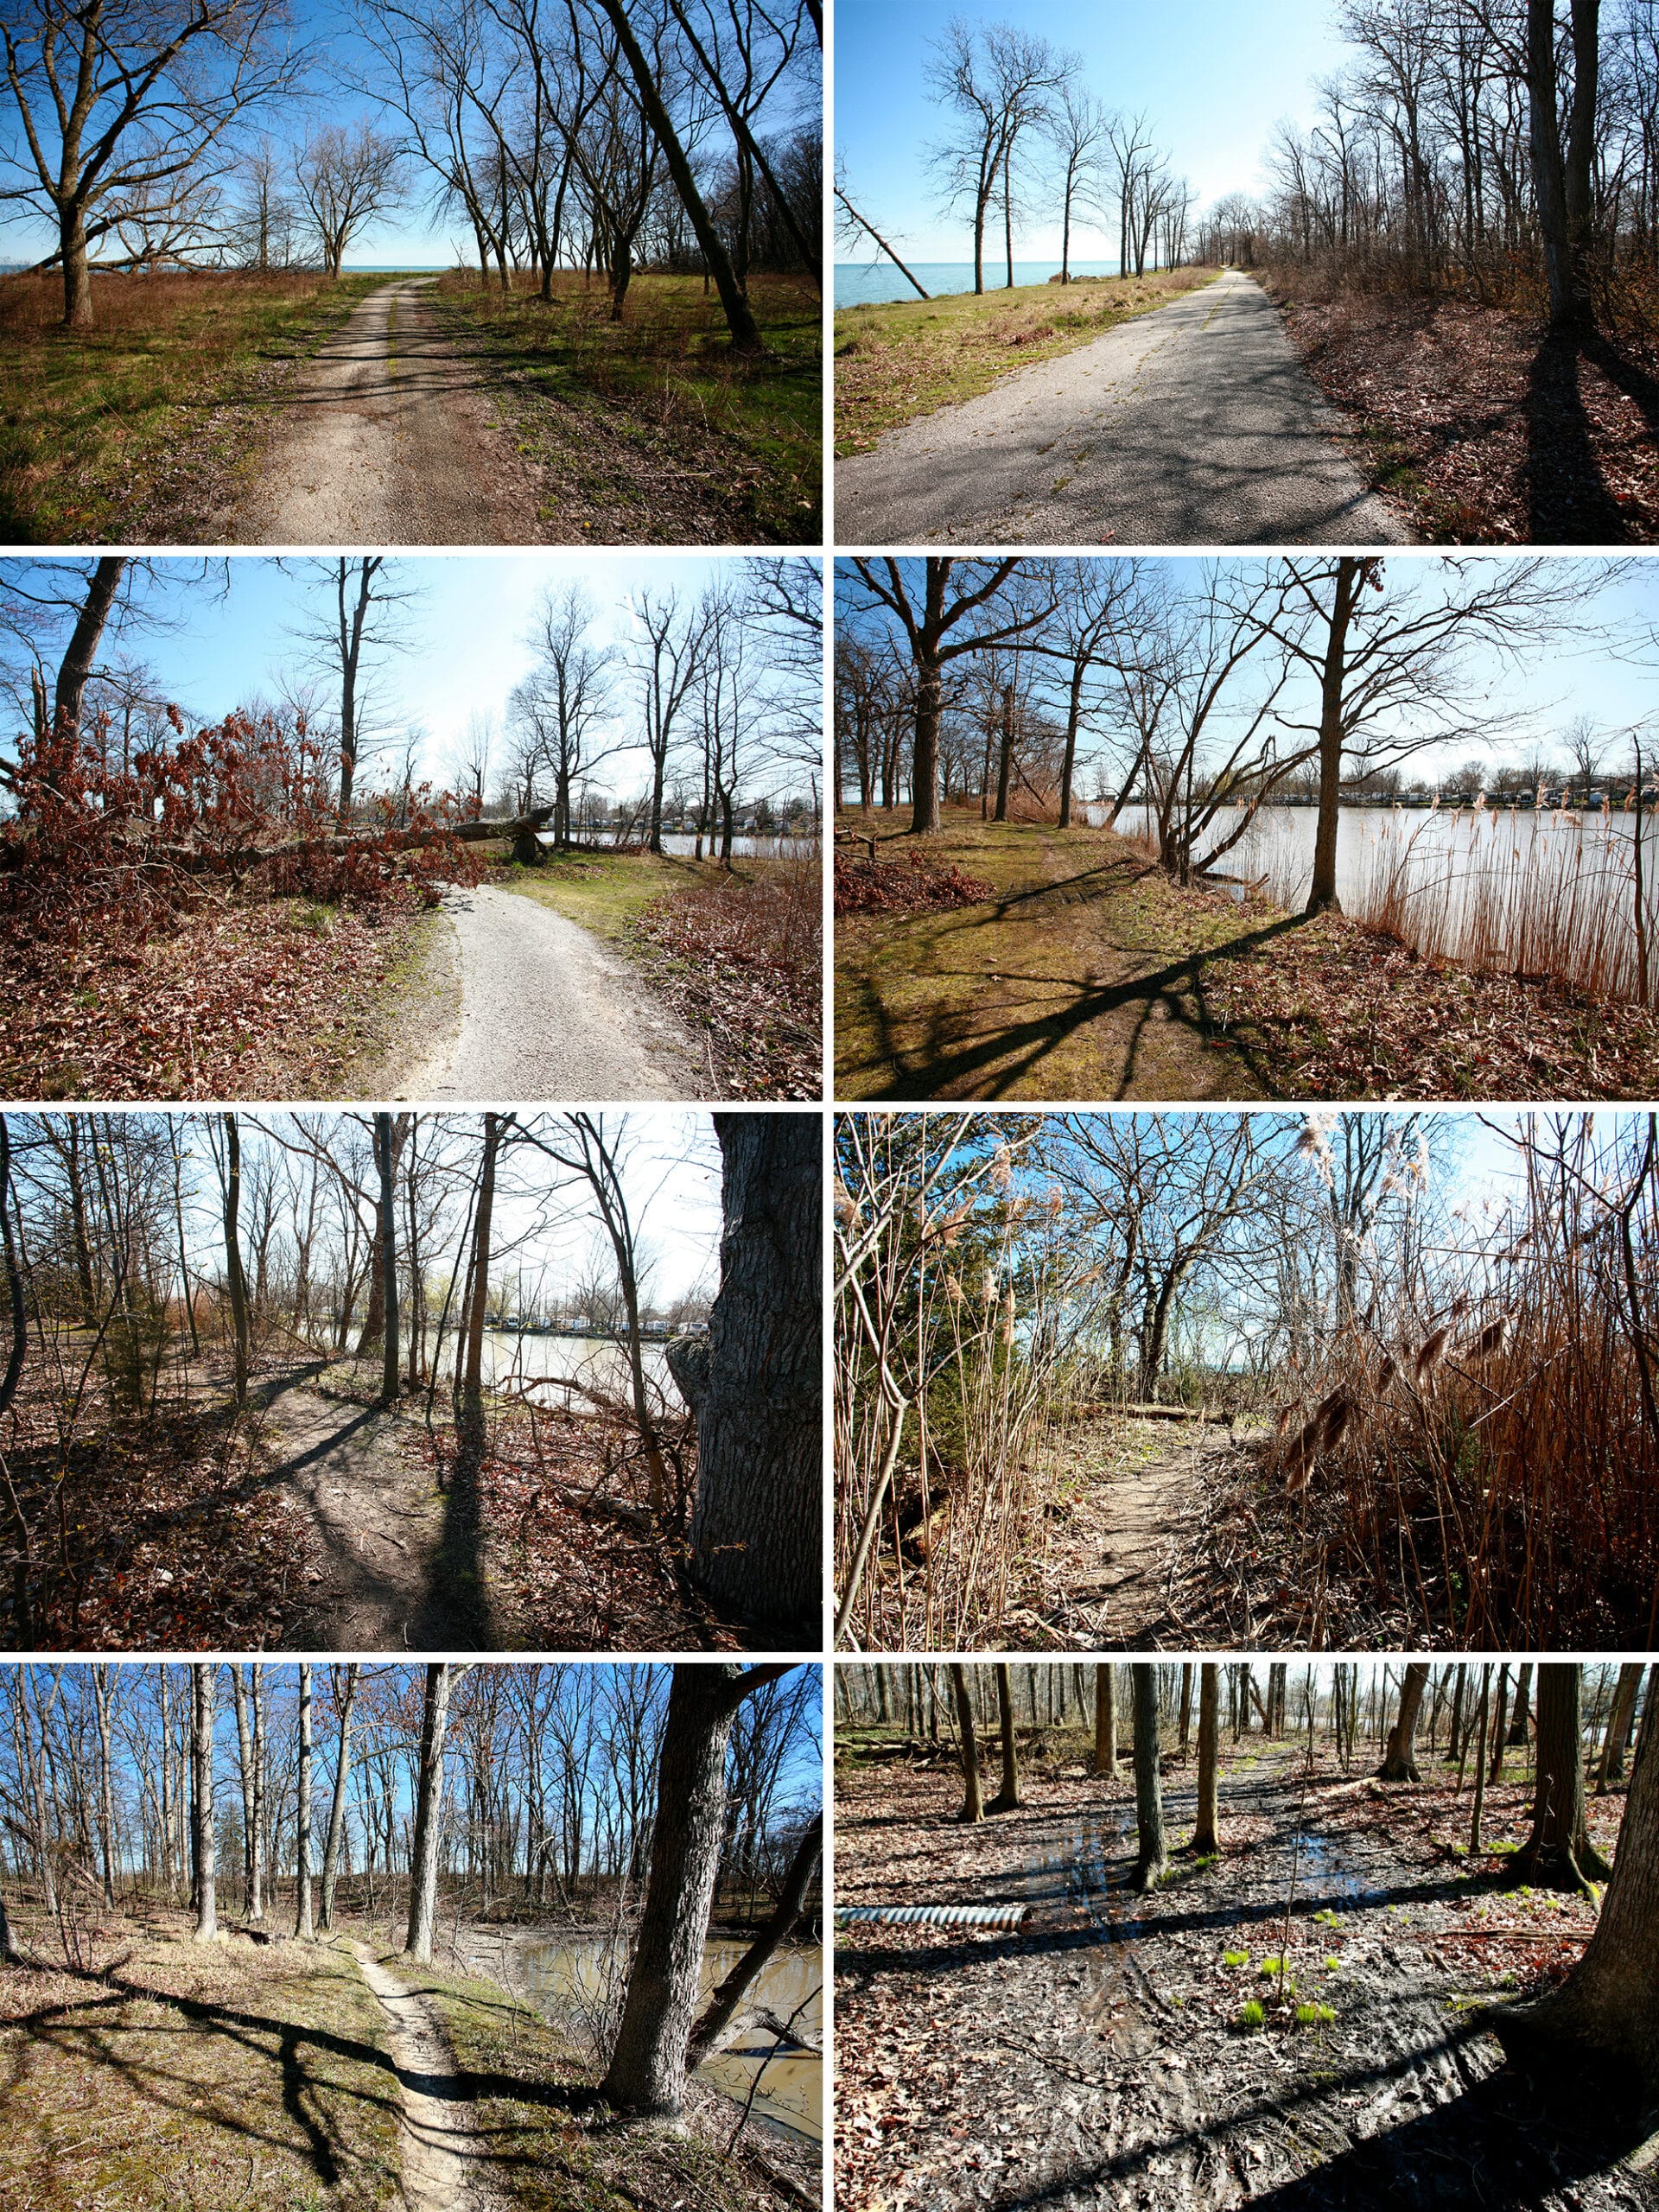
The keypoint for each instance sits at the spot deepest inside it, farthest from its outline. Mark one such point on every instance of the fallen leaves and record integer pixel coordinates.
(907, 885)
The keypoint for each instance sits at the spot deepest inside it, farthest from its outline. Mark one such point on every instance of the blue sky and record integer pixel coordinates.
(1214, 76)
(226, 643)
(1537, 698)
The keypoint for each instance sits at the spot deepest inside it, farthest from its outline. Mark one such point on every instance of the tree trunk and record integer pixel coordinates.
(1007, 1799)
(1618, 1726)
(1400, 1760)
(1559, 1854)
(1152, 1861)
(345, 1694)
(1206, 1836)
(303, 1925)
(705, 2036)
(386, 1156)
(1480, 1763)
(479, 1282)
(1518, 1734)
(646, 2074)
(972, 1808)
(925, 760)
(1322, 893)
(755, 1528)
(1609, 2004)
(236, 1280)
(76, 276)
(1105, 1723)
(423, 1853)
(201, 1749)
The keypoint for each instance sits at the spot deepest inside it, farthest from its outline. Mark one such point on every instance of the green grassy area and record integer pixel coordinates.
(604, 892)
(900, 359)
(1083, 975)
(127, 429)
(215, 2077)
(651, 429)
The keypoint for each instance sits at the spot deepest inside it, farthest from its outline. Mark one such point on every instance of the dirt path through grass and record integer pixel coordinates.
(388, 439)
(547, 1011)
(389, 1576)
(436, 2138)
(1083, 977)
(1099, 2056)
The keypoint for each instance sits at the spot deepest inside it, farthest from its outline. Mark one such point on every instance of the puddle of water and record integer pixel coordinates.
(1324, 1877)
(558, 1972)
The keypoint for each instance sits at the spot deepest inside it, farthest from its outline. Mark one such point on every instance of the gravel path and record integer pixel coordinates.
(1193, 425)
(547, 1013)
(437, 2145)
(388, 440)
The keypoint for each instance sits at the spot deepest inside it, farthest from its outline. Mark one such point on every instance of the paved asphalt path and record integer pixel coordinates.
(387, 438)
(1193, 425)
(547, 1013)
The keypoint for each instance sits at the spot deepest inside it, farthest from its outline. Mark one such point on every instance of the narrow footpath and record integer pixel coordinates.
(438, 2143)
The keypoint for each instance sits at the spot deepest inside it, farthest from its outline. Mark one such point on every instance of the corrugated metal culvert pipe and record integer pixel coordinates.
(931, 1915)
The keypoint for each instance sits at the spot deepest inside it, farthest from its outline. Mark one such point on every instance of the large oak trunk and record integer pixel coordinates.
(755, 1531)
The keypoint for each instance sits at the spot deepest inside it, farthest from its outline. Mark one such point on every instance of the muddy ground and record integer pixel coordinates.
(1094, 2057)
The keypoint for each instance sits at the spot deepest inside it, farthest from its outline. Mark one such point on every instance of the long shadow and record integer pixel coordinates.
(296, 2082)
(330, 1443)
(455, 1614)
(1031, 1041)
(1568, 499)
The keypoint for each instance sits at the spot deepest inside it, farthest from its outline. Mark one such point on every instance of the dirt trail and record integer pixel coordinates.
(437, 2144)
(1195, 425)
(388, 1572)
(388, 439)
(1094, 2057)
(547, 1011)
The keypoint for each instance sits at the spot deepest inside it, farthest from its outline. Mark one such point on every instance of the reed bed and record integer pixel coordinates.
(1479, 1466)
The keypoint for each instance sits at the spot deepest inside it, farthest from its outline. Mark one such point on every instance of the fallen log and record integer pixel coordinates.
(1159, 1412)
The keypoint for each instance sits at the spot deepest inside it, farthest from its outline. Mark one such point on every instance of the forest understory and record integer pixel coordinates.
(316, 1520)
(1482, 426)
(146, 2070)
(1096, 2056)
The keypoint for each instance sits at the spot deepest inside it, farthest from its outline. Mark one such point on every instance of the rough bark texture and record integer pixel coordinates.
(345, 1695)
(1153, 1860)
(1400, 1759)
(1559, 1854)
(1609, 2004)
(202, 1762)
(646, 2074)
(755, 1529)
(1206, 1836)
(1007, 1799)
(303, 1927)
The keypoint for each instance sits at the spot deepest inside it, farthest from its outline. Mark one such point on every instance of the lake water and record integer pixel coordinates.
(562, 1974)
(861, 283)
(511, 1357)
(684, 845)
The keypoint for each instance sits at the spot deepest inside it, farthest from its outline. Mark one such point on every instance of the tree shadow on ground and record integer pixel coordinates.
(1568, 501)
(455, 1615)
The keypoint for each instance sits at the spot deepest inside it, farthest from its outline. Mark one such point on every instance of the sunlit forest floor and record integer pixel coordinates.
(316, 1520)
(1103, 2052)
(143, 2070)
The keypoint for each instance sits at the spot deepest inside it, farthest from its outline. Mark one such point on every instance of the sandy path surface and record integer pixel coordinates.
(1195, 425)
(437, 2145)
(387, 438)
(380, 1527)
(547, 1013)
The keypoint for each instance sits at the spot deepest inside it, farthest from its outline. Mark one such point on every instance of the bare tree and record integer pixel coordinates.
(346, 174)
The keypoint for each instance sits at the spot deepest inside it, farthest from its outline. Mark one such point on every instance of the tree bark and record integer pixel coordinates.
(1400, 1760)
(236, 1280)
(386, 1148)
(1206, 1836)
(646, 2074)
(973, 1810)
(423, 1853)
(202, 1750)
(1007, 1799)
(302, 1924)
(1105, 1723)
(345, 1695)
(1559, 1854)
(1152, 1862)
(1322, 893)
(1618, 1726)
(755, 1527)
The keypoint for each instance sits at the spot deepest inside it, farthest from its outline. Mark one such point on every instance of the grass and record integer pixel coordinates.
(124, 432)
(1251, 2018)
(605, 892)
(900, 359)
(651, 429)
(1081, 976)
(214, 2076)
